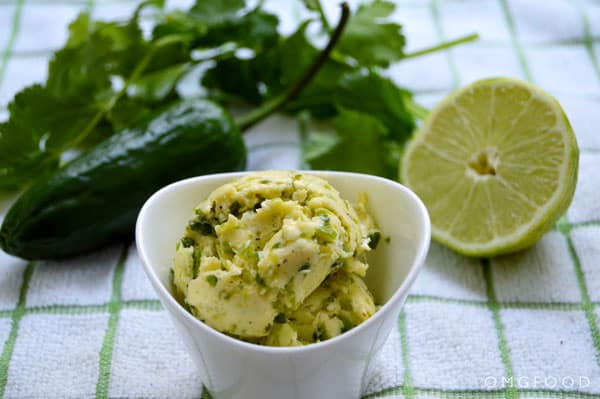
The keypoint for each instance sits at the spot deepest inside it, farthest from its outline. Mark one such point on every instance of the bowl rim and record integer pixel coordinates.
(166, 296)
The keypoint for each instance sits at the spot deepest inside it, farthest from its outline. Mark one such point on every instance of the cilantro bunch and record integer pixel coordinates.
(110, 75)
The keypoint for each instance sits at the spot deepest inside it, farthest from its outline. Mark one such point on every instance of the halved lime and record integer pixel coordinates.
(496, 165)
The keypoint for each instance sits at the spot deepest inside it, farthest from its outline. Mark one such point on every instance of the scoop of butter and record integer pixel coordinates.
(276, 258)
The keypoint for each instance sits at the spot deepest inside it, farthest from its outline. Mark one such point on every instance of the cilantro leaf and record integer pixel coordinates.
(212, 23)
(369, 92)
(272, 71)
(313, 5)
(94, 51)
(178, 22)
(256, 30)
(159, 84)
(235, 78)
(130, 111)
(370, 40)
(77, 68)
(370, 129)
(35, 116)
(316, 139)
(213, 13)
(79, 76)
(359, 144)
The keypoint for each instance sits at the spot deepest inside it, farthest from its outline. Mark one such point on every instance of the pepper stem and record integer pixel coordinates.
(252, 118)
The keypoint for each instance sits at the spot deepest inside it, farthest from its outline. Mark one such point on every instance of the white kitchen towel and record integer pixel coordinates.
(521, 326)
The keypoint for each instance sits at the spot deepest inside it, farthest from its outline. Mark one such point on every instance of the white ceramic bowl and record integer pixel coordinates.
(335, 368)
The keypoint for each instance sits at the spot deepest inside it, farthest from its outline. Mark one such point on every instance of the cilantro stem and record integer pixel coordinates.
(323, 17)
(417, 110)
(442, 46)
(142, 5)
(135, 74)
(270, 106)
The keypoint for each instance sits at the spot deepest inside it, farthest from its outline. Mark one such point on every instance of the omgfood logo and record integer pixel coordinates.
(537, 382)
